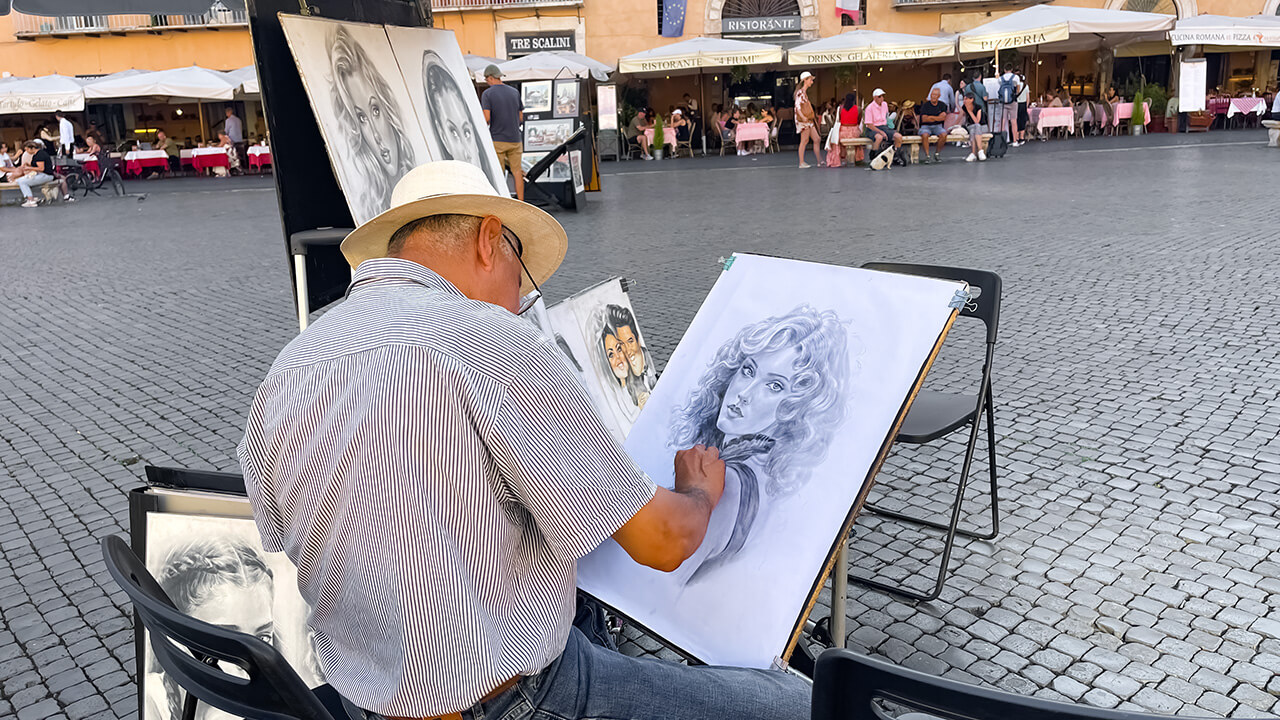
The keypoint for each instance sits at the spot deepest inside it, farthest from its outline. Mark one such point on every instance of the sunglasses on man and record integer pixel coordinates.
(528, 301)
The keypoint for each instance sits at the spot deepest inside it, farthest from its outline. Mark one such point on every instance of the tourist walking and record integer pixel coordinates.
(504, 113)
(1007, 97)
(66, 135)
(806, 120)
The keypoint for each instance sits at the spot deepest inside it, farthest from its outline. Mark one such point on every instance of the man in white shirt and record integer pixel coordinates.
(66, 135)
(947, 94)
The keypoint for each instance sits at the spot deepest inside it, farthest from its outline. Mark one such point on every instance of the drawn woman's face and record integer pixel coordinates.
(631, 346)
(458, 133)
(751, 401)
(374, 120)
(617, 357)
(246, 610)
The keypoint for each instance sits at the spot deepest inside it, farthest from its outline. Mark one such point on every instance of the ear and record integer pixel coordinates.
(489, 242)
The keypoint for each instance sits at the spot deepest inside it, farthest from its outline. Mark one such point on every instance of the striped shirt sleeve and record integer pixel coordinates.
(561, 463)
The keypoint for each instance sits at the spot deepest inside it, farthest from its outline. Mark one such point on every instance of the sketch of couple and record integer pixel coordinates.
(628, 361)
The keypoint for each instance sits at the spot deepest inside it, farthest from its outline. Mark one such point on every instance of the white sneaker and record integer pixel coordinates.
(982, 155)
(971, 158)
(30, 203)
(805, 166)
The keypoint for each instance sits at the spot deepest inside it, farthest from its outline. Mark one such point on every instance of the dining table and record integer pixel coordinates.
(751, 131)
(206, 158)
(89, 162)
(1124, 111)
(259, 156)
(135, 161)
(1246, 105)
(1053, 117)
(668, 136)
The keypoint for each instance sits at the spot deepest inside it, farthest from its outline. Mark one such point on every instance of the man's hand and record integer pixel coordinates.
(670, 527)
(700, 472)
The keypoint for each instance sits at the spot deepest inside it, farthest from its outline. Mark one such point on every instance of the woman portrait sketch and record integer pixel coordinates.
(771, 400)
(370, 122)
(223, 582)
(451, 122)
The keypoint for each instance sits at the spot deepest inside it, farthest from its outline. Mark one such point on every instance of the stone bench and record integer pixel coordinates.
(1273, 132)
(51, 190)
(911, 142)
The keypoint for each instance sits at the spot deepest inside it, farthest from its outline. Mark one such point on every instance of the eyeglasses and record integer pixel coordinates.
(528, 301)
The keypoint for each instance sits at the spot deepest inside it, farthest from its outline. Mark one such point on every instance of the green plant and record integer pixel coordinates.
(845, 75)
(657, 131)
(1139, 116)
(739, 73)
(1159, 100)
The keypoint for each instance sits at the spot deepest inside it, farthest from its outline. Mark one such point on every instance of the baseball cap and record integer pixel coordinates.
(492, 71)
(806, 74)
(877, 92)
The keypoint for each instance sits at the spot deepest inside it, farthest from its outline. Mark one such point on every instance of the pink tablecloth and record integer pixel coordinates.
(1052, 117)
(204, 158)
(1246, 106)
(1218, 106)
(1124, 111)
(668, 136)
(259, 157)
(748, 131)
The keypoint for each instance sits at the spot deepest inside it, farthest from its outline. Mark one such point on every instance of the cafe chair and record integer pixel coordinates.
(686, 145)
(935, 415)
(190, 651)
(849, 686)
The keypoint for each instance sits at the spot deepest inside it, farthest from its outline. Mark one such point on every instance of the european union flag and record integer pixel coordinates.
(673, 18)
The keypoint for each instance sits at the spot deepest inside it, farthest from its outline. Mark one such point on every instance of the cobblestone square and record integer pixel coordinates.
(1135, 384)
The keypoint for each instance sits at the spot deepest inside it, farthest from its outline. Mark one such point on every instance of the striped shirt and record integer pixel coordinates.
(435, 471)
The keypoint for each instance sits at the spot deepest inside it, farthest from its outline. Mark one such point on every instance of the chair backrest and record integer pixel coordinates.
(845, 686)
(985, 307)
(272, 691)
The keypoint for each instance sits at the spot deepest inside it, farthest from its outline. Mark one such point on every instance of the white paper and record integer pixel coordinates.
(860, 339)
(607, 106)
(1192, 85)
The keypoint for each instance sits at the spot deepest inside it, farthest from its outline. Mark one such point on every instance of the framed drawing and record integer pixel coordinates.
(800, 374)
(546, 135)
(442, 93)
(535, 95)
(604, 343)
(205, 552)
(566, 98)
(362, 105)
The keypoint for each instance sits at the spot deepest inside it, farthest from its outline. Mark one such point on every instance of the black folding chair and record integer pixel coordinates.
(936, 414)
(272, 691)
(848, 686)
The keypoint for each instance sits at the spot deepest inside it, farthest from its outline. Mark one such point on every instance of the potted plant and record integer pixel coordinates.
(658, 137)
(1159, 104)
(1137, 123)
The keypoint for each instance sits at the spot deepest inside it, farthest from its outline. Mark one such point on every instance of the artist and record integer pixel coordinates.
(435, 471)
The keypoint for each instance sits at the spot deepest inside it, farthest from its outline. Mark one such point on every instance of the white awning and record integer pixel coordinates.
(477, 63)
(41, 95)
(122, 73)
(247, 76)
(195, 83)
(552, 64)
(1065, 29)
(1255, 31)
(699, 53)
(857, 46)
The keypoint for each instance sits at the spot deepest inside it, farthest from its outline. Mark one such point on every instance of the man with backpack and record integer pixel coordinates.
(1007, 96)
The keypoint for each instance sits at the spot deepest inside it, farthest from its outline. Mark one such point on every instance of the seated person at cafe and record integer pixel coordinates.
(635, 131)
(875, 123)
(170, 146)
(907, 123)
(933, 118)
(680, 125)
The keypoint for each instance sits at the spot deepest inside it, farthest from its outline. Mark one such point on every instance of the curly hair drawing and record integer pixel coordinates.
(370, 121)
(806, 417)
(200, 572)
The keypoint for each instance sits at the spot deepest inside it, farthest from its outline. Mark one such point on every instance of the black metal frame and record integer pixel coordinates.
(986, 308)
(847, 686)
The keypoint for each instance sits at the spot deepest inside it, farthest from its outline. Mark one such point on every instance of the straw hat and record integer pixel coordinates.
(454, 187)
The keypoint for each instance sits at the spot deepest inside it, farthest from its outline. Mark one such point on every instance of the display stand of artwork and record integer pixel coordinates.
(801, 375)
(204, 550)
(553, 111)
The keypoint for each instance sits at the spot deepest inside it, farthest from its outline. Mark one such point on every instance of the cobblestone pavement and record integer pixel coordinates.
(1138, 564)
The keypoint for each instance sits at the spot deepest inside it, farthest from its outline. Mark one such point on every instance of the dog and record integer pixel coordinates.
(884, 160)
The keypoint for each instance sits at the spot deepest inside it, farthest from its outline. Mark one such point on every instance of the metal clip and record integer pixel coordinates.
(959, 301)
(727, 263)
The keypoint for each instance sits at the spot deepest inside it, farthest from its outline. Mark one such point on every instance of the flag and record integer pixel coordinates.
(851, 8)
(673, 17)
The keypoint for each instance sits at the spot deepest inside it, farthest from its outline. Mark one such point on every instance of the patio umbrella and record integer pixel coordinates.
(193, 82)
(697, 54)
(1251, 32)
(477, 63)
(552, 64)
(1064, 29)
(858, 46)
(247, 76)
(41, 95)
(56, 8)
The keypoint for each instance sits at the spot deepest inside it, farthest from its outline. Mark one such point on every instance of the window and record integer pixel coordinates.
(847, 17)
(660, 4)
(760, 8)
(1165, 7)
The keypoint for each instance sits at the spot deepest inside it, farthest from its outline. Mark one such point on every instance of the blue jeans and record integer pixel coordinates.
(592, 681)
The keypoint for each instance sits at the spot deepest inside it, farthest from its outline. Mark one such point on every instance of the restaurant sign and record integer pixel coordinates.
(760, 25)
(1039, 36)
(841, 57)
(1240, 37)
(519, 44)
